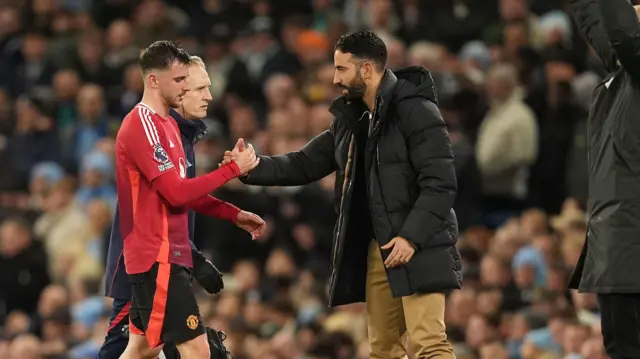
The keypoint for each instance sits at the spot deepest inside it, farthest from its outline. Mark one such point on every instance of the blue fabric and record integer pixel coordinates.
(531, 256)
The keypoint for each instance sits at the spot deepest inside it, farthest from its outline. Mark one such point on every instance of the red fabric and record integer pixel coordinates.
(124, 312)
(159, 308)
(181, 192)
(213, 207)
(148, 148)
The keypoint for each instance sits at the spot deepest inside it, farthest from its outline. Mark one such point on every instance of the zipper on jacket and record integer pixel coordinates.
(373, 128)
(346, 185)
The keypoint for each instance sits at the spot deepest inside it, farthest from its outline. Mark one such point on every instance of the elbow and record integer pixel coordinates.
(175, 201)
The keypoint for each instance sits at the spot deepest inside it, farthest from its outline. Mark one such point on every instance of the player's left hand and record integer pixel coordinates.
(206, 273)
(251, 223)
(402, 252)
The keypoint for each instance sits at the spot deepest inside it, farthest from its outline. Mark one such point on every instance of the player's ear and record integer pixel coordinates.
(152, 79)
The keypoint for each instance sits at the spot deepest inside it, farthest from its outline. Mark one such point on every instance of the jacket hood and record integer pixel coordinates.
(415, 81)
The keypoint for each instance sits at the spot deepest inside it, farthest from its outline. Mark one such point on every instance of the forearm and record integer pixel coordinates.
(588, 19)
(180, 192)
(292, 169)
(623, 30)
(213, 207)
(313, 162)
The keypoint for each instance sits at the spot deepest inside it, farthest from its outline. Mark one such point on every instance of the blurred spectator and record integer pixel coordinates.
(23, 264)
(507, 142)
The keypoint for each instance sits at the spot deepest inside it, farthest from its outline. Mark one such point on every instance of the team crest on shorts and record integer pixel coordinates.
(192, 322)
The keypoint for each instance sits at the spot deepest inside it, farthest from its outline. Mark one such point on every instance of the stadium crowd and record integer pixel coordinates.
(514, 81)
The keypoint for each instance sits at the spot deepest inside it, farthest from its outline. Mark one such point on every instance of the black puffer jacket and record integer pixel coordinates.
(411, 186)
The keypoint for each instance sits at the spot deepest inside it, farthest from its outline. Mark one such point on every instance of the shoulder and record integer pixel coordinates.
(522, 114)
(140, 125)
(418, 112)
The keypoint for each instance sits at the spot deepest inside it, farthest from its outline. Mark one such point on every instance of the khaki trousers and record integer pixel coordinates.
(421, 316)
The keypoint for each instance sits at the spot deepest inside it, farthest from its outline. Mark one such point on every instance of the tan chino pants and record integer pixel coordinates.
(421, 316)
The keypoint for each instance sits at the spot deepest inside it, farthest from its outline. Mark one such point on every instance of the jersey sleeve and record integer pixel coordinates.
(144, 148)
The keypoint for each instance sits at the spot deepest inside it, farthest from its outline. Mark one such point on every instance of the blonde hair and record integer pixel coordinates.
(196, 60)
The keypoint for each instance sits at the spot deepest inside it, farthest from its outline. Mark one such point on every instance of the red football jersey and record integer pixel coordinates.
(149, 146)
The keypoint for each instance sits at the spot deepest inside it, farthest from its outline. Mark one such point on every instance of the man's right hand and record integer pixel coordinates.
(244, 157)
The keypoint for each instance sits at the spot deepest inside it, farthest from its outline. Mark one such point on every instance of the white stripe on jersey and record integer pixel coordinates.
(149, 128)
(144, 125)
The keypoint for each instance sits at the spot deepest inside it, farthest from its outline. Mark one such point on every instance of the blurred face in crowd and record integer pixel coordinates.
(26, 346)
(525, 275)
(278, 90)
(99, 214)
(242, 123)
(90, 102)
(13, 239)
(494, 350)
(34, 47)
(518, 327)
(514, 36)
(513, 9)
(280, 263)
(196, 101)
(492, 271)
(246, 275)
(593, 349)
(463, 305)
(529, 350)
(396, 55)
(119, 35)
(478, 331)
(52, 298)
(66, 84)
(351, 75)
(279, 123)
(574, 336)
(91, 51)
(489, 302)
(583, 300)
(132, 79)
(320, 119)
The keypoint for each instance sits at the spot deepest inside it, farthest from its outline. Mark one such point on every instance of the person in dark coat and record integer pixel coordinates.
(394, 241)
(608, 264)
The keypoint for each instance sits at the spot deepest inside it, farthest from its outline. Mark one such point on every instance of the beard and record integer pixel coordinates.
(355, 90)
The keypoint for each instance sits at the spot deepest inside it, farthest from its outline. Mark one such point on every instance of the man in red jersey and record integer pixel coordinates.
(154, 196)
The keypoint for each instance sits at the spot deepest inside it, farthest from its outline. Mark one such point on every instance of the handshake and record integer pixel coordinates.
(244, 156)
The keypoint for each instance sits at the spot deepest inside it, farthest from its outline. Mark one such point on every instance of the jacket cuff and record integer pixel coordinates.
(408, 237)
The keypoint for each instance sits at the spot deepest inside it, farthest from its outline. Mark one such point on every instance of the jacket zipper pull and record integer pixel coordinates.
(378, 153)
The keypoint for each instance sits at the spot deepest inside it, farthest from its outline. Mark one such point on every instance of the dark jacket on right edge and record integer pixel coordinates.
(610, 258)
(411, 186)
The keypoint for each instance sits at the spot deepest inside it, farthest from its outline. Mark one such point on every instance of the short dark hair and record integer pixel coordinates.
(365, 45)
(161, 54)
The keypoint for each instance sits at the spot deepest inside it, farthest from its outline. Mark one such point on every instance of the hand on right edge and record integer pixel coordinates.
(244, 157)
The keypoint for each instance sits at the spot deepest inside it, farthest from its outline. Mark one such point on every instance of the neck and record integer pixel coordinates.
(369, 97)
(180, 111)
(156, 103)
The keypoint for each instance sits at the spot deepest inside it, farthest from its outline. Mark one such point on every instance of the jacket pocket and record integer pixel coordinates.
(432, 270)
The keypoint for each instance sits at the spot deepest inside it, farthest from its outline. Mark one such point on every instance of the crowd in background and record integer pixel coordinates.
(514, 82)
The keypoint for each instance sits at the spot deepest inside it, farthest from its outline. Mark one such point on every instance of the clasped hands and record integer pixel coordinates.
(244, 156)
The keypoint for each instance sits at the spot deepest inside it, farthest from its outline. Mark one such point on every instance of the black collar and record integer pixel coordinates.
(193, 130)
